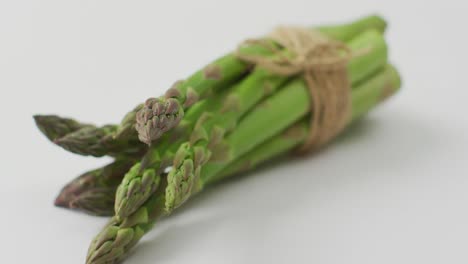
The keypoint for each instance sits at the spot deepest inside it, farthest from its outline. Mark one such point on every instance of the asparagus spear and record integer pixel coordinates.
(54, 127)
(94, 191)
(278, 145)
(86, 139)
(120, 235)
(99, 141)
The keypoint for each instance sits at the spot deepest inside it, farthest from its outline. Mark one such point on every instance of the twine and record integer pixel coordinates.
(323, 64)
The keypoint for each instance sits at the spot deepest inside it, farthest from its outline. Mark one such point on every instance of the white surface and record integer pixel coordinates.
(394, 190)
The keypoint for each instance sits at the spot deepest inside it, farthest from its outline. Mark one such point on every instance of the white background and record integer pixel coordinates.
(393, 190)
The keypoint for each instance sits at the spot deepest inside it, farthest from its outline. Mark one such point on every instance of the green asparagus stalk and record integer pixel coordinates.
(55, 127)
(192, 155)
(93, 192)
(348, 31)
(277, 113)
(86, 139)
(278, 145)
(364, 99)
(99, 141)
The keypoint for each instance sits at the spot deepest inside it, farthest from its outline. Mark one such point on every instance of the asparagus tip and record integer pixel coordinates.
(62, 201)
(157, 116)
(136, 187)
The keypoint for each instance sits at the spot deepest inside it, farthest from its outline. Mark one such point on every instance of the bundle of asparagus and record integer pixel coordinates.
(237, 112)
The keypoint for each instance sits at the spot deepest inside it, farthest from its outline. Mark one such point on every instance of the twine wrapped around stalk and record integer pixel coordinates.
(323, 64)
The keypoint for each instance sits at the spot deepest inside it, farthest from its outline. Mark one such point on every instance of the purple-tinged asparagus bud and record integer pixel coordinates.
(54, 127)
(78, 186)
(89, 140)
(158, 116)
(95, 201)
(94, 191)
(98, 142)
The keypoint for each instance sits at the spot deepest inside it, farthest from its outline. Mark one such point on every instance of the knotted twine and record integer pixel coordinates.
(323, 64)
